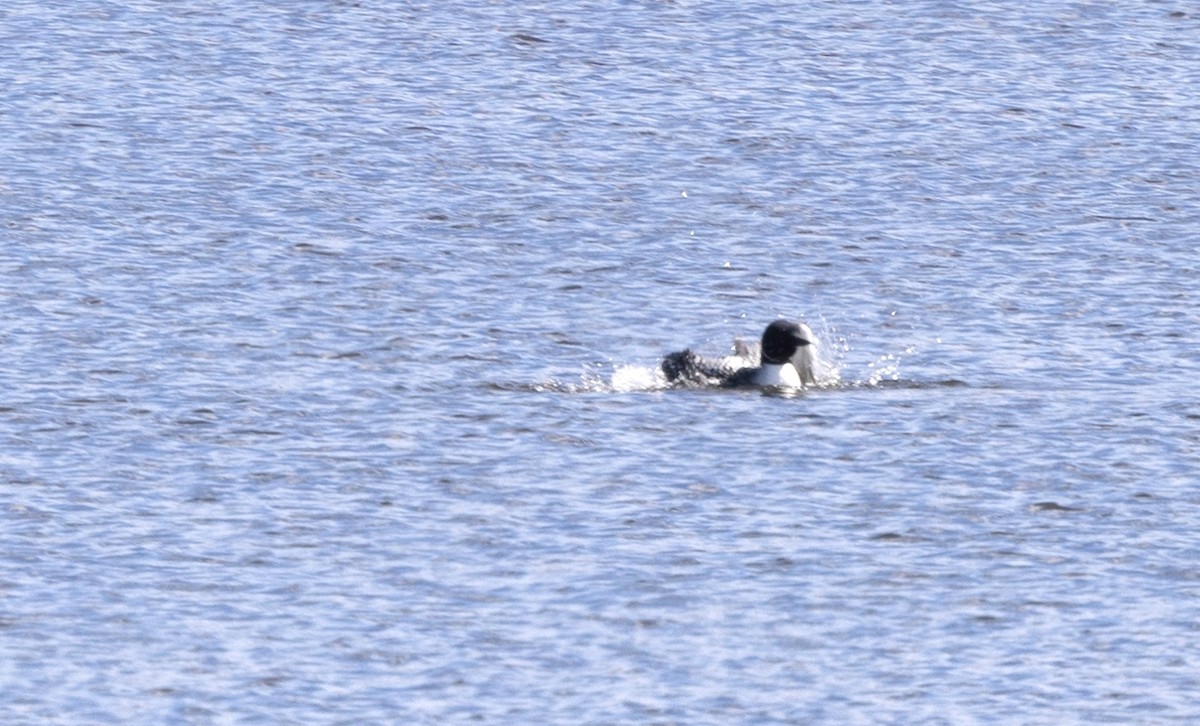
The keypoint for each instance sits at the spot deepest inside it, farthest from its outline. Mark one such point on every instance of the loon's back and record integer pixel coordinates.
(690, 368)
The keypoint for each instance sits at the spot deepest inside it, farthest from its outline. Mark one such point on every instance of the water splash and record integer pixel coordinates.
(631, 378)
(887, 367)
(600, 378)
(836, 352)
(832, 348)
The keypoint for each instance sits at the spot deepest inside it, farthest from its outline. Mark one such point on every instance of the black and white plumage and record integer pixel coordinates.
(784, 358)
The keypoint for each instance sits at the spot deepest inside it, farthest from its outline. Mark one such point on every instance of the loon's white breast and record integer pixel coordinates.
(783, 375)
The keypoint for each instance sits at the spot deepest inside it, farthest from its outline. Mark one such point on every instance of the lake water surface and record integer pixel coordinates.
(330, 331)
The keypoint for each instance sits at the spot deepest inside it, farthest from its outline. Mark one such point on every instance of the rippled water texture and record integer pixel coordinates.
(330, 333)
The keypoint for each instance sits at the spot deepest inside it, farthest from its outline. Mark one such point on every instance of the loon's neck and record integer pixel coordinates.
(806, 364)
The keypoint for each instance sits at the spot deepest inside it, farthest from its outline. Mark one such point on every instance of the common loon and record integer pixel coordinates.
(784, 358)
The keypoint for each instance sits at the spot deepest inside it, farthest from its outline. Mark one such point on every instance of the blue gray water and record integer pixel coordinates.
(329, 332)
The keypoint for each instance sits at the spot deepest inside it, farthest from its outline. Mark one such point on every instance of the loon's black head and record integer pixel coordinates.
(780, 341)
